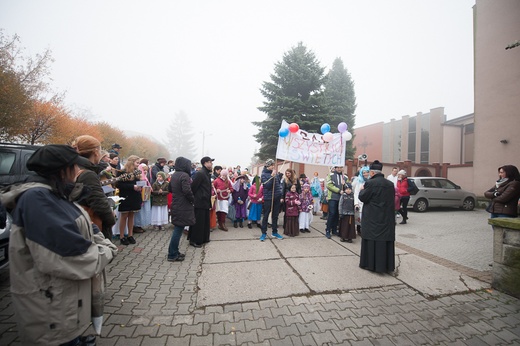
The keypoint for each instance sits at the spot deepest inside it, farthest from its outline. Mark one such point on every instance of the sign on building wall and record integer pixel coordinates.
(310, 148)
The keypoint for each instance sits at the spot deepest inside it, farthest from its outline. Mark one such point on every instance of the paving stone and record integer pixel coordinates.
(254, 324)
(224, 317)
(324, 338)
(300, 300)
(217, 328)
(401, 340)
(327, 315)
(343, 335)
(271, 303)
(274, 322)
(296, 309)
(419, 338)
(362, 321)
(305, 328)
(233, 327)
(506, 335)
(284, 310)
(264, 313)
(311, 316)
(246, 315)
(380, 331)
(293, 319)
(169, 330)
(125, 341)
(287, 331)
(250, 306)
(326, 325)
(244, 337)
(344, 323)
(308, 340)
(232, 308)
(270, 333)
(120, 330)
(146, 330)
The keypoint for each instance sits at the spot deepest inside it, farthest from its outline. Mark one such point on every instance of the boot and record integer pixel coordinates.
(224, 228)
(241, 224)
(235, 224)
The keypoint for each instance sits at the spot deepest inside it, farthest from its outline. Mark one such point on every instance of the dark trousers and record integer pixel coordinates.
(333, 217)
(269, 206)
(404, 209)
(199, 232)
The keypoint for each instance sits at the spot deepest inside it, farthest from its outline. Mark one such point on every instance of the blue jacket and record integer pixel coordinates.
(269, 182)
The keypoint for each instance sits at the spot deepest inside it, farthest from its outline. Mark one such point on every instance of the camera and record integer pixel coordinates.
(363, 157)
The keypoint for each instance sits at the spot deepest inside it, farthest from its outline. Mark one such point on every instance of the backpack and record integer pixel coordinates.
(412, 188)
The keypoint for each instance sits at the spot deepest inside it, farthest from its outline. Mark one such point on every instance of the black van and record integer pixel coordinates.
(13, 159)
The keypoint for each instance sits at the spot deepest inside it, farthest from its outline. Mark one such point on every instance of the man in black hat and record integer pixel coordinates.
(378, 222)
(201, 188)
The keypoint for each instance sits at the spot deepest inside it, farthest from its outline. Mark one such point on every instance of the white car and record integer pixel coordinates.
(440, 192)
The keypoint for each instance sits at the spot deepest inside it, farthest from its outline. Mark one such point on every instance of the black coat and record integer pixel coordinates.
(201, 188)
(378, 221)
(132, 199)
(182, 210)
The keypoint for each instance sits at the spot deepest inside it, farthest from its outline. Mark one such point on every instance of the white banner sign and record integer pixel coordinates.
(310, 148)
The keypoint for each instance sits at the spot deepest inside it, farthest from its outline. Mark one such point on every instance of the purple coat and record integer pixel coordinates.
(291, 208)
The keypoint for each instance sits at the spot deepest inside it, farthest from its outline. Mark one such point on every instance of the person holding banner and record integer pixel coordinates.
(335, 181)
(272, 199)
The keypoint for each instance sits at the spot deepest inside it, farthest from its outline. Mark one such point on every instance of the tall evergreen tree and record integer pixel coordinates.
(340, 99)
(294, 94)
(180, 137)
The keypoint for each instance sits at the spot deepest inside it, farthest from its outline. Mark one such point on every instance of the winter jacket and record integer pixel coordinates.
(378, 221)
(286, 186)
(291, 208)
(182, 210)
(402, 187)
(96, 203)
(334, 183)
(504, 199)
(254, 196)
(54, 254)
(201, 188)
(271, 183)
(160, 198)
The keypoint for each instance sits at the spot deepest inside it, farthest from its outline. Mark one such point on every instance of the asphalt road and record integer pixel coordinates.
(463, 237)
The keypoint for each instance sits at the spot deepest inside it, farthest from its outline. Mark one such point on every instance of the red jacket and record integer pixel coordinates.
(402, 186)
(220, 184)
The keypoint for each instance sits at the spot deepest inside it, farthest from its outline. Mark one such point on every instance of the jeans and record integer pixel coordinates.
(173, 250)
(274, 217)
(333, 217)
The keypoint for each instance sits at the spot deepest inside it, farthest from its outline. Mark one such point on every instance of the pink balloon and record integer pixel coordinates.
(328, 137)
(294, 127)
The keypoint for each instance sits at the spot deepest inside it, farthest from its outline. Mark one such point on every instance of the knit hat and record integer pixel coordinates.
(162, 174)
(348, 185)
(269, 162)
(52, 158)
(402, 171)
(376, 166)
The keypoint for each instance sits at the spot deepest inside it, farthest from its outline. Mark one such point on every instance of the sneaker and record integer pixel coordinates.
(124, 241)
(131, 240)
(176, 259)
(327, 234)
(262, 237)
(277, 236)
(249, 226)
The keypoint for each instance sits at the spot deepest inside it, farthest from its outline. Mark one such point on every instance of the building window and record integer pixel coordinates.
(411, 138)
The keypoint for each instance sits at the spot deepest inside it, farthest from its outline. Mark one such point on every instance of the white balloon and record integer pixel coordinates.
(347, 136)
(327, 137)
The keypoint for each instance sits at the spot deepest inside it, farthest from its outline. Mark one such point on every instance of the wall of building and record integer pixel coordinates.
(497, 89)
(369, 140)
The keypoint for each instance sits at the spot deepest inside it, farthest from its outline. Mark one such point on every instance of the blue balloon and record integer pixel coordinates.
(283, 132)
(325, 128)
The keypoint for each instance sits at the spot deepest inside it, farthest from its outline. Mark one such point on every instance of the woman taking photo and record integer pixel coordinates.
(504, 195)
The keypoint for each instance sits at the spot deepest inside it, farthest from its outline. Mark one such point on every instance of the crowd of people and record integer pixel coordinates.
(91, 197)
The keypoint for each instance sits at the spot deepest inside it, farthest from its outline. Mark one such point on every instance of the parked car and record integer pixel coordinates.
(440, 192)
(13, 159)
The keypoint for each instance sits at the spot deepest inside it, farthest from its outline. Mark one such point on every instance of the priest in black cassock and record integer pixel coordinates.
(378, 222)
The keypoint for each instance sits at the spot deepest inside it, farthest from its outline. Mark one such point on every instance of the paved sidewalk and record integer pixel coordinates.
(306, 290)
